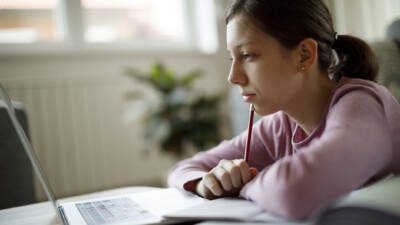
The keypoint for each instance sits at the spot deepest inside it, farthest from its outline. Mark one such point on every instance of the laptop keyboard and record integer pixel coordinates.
(113, 210)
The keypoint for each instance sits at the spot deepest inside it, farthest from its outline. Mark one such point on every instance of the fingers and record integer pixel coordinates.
(245, 173)
(212, 184)
(239, 171)
(226, 179)
(223, 177)
(234, 172)
(203, 191)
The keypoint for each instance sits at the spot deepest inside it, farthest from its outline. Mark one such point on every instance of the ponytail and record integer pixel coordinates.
(355, 59)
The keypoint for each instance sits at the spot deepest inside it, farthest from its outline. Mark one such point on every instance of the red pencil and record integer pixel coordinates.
(249, 131)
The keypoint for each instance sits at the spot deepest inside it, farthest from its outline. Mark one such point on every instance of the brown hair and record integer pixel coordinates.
(291, 21)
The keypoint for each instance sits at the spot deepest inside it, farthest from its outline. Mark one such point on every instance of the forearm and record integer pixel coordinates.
(298, 185)
(186, 171)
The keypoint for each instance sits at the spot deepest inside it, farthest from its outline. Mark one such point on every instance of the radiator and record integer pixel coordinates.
(80, 138)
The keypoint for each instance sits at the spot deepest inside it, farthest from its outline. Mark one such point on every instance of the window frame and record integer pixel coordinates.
(72, 37)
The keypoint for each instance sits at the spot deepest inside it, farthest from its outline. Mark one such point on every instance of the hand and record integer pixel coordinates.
(226, 179)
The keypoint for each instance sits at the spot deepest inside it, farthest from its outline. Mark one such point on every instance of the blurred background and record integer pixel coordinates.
(77, 69)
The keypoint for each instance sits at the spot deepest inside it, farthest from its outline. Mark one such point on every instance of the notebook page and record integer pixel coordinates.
(161, 202)
(223, 208)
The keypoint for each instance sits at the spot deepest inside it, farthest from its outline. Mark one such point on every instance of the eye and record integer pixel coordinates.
(246, 56)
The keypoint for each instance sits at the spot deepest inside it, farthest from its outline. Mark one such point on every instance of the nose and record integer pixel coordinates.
(236, 75)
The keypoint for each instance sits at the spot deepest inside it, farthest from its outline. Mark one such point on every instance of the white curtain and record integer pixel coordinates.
(367, 19)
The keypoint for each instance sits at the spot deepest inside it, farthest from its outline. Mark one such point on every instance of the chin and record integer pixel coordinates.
(264, 111)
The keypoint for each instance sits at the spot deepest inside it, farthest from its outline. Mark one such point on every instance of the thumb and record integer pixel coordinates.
(253, 171)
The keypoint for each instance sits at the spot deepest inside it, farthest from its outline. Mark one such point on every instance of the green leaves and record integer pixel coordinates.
(163, 80)
(179, 120)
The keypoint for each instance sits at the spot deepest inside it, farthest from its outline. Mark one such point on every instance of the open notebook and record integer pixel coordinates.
(166, 205)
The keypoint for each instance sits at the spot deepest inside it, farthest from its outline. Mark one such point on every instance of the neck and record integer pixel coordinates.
(311, 103)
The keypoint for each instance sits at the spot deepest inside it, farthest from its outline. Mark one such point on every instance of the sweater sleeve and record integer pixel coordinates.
(192, 169)
(262, 153)
(354, 146)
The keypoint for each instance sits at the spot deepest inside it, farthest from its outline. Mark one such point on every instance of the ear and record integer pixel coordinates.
(307, 52)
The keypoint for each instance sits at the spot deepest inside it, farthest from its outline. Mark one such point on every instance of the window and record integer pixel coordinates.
(110, 25)
(28, 21)
(121, 20)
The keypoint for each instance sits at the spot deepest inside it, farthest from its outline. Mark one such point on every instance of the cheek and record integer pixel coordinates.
(271, 75)
(277, 87)
(272, 79)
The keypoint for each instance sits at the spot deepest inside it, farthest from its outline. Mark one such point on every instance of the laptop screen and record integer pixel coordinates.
(26, 145)
(16, 176)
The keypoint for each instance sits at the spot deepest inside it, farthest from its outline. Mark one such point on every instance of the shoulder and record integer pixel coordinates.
(357, 99)
(353, 89)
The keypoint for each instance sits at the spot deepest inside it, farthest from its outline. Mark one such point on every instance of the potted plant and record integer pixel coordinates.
(178, 117)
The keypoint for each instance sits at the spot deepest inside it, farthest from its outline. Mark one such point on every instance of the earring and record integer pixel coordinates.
(302, 68)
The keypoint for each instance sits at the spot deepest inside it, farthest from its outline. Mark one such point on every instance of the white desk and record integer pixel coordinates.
(44, 214)
(383, 195)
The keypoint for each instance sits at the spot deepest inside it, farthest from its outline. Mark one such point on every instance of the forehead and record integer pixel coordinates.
(241, 31)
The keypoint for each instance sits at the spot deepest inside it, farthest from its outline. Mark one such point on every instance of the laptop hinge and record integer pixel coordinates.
(62, 215)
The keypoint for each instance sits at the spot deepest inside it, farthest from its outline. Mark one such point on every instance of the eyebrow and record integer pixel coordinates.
(241, 44)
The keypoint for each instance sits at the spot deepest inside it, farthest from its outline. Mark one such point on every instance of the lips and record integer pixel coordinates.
(247, 97)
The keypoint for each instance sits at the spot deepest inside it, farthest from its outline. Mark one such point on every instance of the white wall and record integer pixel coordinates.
(367, 19)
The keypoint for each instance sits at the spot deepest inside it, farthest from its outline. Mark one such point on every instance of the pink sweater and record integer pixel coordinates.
(357, 141)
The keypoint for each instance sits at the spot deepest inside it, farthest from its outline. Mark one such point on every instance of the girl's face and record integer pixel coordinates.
(266, 72)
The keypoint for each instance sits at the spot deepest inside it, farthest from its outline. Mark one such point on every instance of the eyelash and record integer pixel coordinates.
(244, 56)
